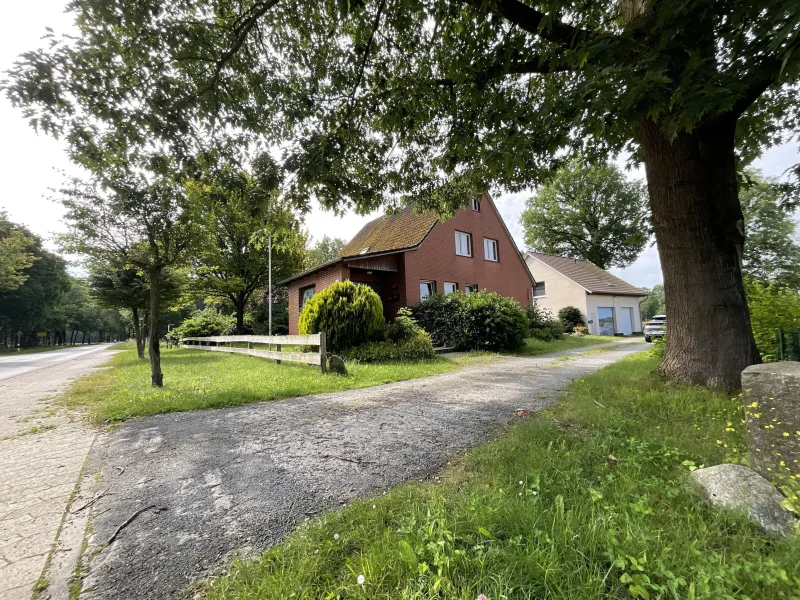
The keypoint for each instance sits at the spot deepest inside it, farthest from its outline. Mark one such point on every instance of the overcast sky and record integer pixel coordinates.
(31, 164)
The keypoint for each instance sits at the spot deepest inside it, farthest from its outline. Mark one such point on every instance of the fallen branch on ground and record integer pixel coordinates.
(127, 522)
(92, 501)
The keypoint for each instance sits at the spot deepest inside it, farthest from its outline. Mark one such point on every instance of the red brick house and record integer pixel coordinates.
(406, 256)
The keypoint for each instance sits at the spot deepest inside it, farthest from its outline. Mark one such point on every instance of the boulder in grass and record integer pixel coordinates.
(336, 365)
(735, 487)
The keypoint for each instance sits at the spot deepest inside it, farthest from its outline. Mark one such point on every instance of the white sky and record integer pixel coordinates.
(31, 164)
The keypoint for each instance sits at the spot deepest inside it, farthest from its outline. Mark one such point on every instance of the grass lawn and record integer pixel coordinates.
(195, 379)
(533, 346)
(582, 502)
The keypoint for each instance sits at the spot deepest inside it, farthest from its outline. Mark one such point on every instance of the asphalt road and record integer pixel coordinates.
(207, 484)
(12, 365)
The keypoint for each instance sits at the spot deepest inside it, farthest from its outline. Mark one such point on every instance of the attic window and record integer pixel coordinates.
(476, 205)
(364, 250)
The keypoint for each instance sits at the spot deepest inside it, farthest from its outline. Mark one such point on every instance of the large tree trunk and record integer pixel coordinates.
(137, 333)
(699, 229)
(156, 376)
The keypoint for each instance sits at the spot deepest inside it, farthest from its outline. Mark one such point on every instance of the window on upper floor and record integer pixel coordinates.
(463, 244)
(490, 249)
(476, 204)
(450, 287)
(538, 290)
(306, 294)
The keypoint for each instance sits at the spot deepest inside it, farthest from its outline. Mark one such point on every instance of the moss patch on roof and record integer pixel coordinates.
(391, 233)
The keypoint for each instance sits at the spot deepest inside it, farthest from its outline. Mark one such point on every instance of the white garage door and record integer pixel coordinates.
(626, 321)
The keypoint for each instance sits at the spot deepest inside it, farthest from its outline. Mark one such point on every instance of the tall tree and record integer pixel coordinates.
(324, 250)
(15, 254)
(122, 288)
(771, 250)
(135, 220)
(590, 212)
(239, 211)
(382, 102)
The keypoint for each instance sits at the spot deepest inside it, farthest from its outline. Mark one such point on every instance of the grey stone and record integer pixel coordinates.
(771, 397)
(735, 487)
(336, 365)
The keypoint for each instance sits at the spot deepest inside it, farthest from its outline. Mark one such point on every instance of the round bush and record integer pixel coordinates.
(543, 325)
(203, 323)
(479, 321)
(349, 314)
(570, 316)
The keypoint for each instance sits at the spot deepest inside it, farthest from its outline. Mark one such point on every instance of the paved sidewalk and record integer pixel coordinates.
(42, 451)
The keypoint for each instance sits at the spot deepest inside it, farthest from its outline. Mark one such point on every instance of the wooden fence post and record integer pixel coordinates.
(277, 349)
(323, 354)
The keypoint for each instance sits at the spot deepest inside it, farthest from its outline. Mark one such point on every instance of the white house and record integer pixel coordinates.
(610, 306)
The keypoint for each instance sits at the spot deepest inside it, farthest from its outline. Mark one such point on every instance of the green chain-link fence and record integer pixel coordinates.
(789, 344)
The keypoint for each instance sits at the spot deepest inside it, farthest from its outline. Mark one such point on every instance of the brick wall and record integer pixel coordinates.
(436, 258)
(322, 279)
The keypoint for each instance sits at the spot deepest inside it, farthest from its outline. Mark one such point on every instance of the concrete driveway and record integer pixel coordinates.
(237, 480)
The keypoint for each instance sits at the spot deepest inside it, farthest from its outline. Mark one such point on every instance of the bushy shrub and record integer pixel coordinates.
(203, 323)
(570, 316)
(659, 347)
(772, 307)
(478, 321)
(403, 327)
(349, 314)
(543, 325)
(416, 347)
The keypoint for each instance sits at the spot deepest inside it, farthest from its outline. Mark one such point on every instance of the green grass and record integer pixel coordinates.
(533, 346)
(582, 502)
(195, 379)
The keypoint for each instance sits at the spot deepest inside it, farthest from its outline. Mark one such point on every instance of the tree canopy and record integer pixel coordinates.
(772, 249)
(15, 254)
(325, 249)
(590, 212)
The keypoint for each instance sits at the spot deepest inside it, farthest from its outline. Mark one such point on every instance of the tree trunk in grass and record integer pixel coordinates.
(699, 229)
(156, 376)
(137, 333)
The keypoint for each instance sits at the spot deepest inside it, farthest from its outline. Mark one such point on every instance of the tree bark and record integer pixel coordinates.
(137, 333)
(156, 376)
(699, 229)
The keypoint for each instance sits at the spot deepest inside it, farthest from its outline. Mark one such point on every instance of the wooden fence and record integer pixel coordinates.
(224, 343)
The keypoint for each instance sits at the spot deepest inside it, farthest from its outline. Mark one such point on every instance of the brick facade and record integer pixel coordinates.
(398, 276)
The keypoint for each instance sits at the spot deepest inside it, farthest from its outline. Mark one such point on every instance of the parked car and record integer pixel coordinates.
(655, 327)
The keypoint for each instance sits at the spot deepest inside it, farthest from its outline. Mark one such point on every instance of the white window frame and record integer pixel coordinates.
(476, 204)
(432, 291)
(468, 237)
(470, 288)
(490, 243)
(544, 290)
(450, 283)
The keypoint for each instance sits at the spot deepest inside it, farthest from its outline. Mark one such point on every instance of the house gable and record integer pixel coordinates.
(560, 290)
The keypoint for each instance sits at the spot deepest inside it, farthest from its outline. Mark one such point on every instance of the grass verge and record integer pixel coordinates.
(195, 379)
(586, 501)
(534, 347)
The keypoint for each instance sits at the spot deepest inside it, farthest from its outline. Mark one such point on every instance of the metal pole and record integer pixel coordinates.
(19, 335)
(269, 285)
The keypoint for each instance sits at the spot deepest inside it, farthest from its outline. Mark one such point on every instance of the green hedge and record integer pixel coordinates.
(771, 308)
(478, 321)
(417, 347)
(203, 323)
(543, 325)
(570, 317)
(349, 314)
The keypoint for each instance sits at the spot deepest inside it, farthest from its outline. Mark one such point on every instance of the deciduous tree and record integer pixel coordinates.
(381, 101)
(15, 254)
(590, 212)
(327, 248)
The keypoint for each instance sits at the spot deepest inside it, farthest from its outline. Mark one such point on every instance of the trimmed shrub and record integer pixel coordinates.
(403, 327)
(416, 347)
(570, 316)
(478, 321)
(349, 314)
(543, 325)
(203, 323)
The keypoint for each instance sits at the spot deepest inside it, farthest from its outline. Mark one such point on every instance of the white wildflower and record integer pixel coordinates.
(336, 536)
(360, 580)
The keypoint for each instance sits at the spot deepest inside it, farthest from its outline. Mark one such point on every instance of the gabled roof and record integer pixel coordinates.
(391, 233)
(588, 275)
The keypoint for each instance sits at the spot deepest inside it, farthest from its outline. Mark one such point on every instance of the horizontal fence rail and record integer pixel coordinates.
(224, 343)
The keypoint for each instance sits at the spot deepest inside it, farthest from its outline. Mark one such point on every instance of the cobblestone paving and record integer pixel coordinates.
(42, 450)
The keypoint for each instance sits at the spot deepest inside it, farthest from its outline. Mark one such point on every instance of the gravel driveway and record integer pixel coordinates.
(239, 479)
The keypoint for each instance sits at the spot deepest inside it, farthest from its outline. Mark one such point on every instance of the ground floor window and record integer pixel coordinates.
(426, 288)
(605, 318)
(471, 287)
(306, 293)
(450, 287)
